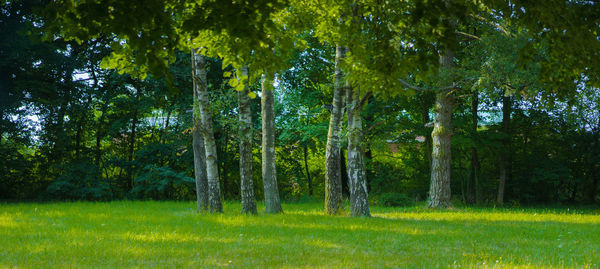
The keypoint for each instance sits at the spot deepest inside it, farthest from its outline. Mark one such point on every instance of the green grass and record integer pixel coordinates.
(171, 234)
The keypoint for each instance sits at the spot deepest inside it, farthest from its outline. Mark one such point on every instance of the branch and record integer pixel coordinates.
(365, 98)
(374, 125)
(406, 84)
(493, 24)
(449, 87)
(467, 35)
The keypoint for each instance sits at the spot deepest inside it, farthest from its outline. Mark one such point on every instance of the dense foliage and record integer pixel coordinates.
(71, 129)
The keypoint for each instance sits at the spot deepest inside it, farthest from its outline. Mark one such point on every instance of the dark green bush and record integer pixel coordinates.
(162, 183)
(393, 199)
(81, 181)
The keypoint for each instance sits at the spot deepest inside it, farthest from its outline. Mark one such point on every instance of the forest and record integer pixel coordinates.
(390, 103)
(299, 134)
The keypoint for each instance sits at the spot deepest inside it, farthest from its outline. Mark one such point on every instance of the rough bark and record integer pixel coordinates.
(246, 135)
(269, 173)
(200, 168)
(333, 181)
(439, 191)
(344, 173)
(199, 158)
(210, 145)
(505, 153)
(359, 205)
(473, 196)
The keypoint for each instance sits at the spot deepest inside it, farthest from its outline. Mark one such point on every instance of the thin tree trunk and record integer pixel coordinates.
(473, 178)
(99, 134)
(269, 173)
(210, 145)
(333, 181)
(439, 191)
(78, 138)
(161, 138)
(1, 123)
(246, 134)
(359, 205)
(427, 100)
(199, 157)
(505, 153)
(308, 179)
(132, 140)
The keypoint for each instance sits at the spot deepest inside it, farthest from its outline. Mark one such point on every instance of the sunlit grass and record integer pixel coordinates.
(171, 234)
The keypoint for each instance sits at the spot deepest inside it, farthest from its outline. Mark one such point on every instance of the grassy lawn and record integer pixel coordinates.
(170, 234)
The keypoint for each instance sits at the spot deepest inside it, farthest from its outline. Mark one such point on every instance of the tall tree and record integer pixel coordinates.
(246, 136)
(357, 178)
(199, 153)
(473, 196)
(210, 145)
(333, 177)
(505, 164)
(439, 191)
(269, 173)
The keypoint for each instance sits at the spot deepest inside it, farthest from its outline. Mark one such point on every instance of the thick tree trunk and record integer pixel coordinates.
(439, 191)
(333, 181)
(505, 153)
(359, 205)
(246, 135)
(210, 145)
(199, 158)
(473, 196)
(269, 173)
(200, 167)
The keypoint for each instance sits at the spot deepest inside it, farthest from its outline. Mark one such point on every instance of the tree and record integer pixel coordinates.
(212, 169)
(199, 155)
(269, 173)
(246, 136)
(333, 177)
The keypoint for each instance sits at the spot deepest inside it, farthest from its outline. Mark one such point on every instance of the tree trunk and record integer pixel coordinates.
(210, 145)
(333, 181)
(99, 134)
(78, 138)
(161, 135)
(439, 191)
(473, 196)
(427, 100)
(1, 123)
(200, 167)
(246, 135)
(344, 173)
(269, 173)
(505, 153)
(308, 179)
(359, 205)
(199, 158)
(132, 139)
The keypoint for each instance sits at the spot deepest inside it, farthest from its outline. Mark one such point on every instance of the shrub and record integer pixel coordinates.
(393, 199)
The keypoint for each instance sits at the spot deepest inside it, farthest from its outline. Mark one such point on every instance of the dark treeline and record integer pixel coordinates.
(71, 129)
